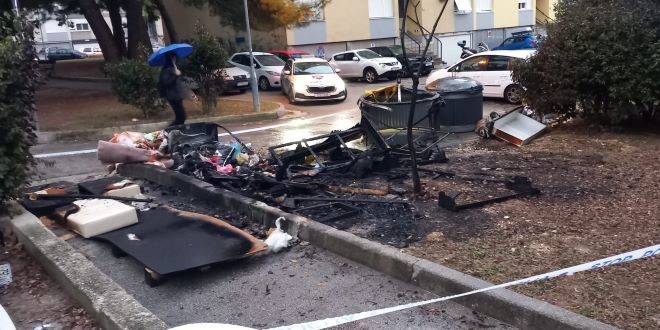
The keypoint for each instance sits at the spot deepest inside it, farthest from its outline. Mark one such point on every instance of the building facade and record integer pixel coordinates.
(77, 34)
(475, 21)
(352, 24)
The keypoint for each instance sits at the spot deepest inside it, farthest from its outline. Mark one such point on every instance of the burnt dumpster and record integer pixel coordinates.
(463, 104)
(387, 108)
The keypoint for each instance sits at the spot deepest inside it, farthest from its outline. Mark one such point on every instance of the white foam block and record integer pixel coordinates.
(99, 216)
(128, 191)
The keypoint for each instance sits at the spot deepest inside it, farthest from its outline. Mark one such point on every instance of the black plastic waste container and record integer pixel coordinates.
(463, 104)
(384, 109)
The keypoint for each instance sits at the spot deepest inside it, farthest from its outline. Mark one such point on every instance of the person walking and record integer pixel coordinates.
(172, 89)
(320, 52)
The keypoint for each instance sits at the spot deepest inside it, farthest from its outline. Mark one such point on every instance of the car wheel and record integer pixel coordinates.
(264, 85)
(513, 94)
(370, 75)
(292, 100)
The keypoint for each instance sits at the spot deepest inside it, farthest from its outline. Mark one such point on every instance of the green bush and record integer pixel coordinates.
(204, 67)
(19, 79)
(600, 60)
(134, 82)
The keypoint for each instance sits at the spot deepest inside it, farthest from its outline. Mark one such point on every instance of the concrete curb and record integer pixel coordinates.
(108, 303)
(45, 137)
(85, 79)
(513, 308)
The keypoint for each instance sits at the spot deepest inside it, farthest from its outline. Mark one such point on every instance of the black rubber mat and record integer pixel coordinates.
(168, 242)
(98, 187)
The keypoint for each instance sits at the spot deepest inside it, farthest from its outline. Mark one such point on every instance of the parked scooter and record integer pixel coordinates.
(467, 52)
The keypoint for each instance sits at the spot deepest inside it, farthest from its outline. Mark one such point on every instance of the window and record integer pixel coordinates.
(368, 54)
(82, 27)
(307, 68)
(484, 5)
(317, 12)
(524, 4)
(462, 6)
(269, 60)
(498, 63)
(345, 57)
(381, 8)
(478, 63)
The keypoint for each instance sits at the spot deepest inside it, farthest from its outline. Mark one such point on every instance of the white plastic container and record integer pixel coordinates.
(99, 216)
(128, 191)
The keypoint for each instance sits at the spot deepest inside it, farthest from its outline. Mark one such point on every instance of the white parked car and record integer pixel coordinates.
(365, 63)
(311, 79)
(492, 69)
(91, 51)
(235, 79)
(268, 67)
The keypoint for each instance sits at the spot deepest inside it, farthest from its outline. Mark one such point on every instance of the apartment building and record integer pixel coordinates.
(352, 24)
(488, 21)
(76, 33)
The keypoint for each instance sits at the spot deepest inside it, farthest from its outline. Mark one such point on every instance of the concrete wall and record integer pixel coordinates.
(313, 33)
(380, 28)
(484, 20)
(463, 22)
(347, 20)
(547, 7)
(505, 13)
(185, 18)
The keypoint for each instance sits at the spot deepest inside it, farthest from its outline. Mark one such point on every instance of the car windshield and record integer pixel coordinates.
(312, 68)
(396, 50)
(368, 54)
(269, 60)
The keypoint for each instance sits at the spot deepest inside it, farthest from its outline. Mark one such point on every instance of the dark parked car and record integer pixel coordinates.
(415, 59)
(58, 54)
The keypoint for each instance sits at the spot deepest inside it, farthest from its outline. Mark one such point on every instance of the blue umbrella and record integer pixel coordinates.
(159, 57)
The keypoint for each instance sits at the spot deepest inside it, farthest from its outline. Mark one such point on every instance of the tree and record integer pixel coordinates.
(20, 79)
(134, 82)
(112, 42)
(138, 34)
(417, 187)
(264, 14)
(598, 61)
(204, 67)
(167, 19)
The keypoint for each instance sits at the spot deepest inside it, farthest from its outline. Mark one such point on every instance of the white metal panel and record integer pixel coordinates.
(451, 53)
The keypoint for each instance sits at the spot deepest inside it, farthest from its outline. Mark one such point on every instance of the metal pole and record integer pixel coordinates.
(16, 7)
(253, 74)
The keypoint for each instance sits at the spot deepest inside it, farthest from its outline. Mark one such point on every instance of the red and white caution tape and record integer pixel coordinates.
(605, 262)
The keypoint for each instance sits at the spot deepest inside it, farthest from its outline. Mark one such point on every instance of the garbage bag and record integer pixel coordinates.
(112, 153)
(278, 239)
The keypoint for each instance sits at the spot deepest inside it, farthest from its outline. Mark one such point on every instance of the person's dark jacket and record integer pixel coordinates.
(170, 86)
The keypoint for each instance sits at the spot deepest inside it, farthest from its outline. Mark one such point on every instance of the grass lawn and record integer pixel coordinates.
(74, 109)
(91, 67)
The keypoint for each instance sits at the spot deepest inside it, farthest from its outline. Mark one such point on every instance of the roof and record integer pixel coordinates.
(519, 53)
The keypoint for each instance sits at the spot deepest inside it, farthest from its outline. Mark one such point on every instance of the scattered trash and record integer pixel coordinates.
(5, 275)
(98, 216)
(278, 239)
(514, 127)
(520, 185)
(167, 240)
(5, 320)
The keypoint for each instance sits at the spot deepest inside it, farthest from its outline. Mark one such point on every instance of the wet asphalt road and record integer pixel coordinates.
(317, 118)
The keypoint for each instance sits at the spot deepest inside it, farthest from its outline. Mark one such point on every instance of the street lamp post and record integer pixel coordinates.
(253, 74)
(16, 7)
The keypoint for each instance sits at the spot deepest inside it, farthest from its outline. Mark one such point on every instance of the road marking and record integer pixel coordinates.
(646, 252)
(250, 130)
